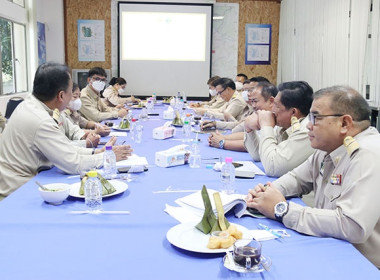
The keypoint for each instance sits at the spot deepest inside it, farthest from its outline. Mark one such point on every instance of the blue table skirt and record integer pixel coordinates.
(41, 241)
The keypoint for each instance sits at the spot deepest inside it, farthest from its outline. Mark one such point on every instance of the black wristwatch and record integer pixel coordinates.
(280, 210)
(221, 144)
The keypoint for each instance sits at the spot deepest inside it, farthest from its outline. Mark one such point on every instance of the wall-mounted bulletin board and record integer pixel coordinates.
(258, 43)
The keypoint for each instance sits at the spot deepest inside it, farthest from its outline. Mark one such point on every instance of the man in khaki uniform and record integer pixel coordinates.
(32, 140)
(215, 102)
(235, 104)
(2, 122)
(93, 108)
(260, 97)
(343, 172)
(283, 142)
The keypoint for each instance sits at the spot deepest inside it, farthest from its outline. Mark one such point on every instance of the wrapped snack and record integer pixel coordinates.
(177, 120)
(108, 188)
(209, 223)
(124, 123)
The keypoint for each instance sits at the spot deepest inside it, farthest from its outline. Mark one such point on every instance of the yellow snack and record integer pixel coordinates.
(224, 239)
(233, 231)
(227, 242)
(213, 242)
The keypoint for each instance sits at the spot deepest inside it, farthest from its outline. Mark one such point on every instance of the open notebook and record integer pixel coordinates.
(194, 203)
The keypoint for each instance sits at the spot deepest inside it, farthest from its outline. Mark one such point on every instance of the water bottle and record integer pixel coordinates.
(93, 190)
(138, 132)
(109, 163)
(195, 157)
(227, 176)
(149, 106)
(186, 128)
(132, 130)
(154, 98)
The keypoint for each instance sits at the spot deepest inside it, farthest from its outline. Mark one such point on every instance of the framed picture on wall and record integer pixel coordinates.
(80, 76)
(258, 43)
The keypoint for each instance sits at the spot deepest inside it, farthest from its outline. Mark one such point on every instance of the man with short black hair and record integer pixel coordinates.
(283, 142)
(32, 140)
(93, 108)
(343, 172)
(235, 104)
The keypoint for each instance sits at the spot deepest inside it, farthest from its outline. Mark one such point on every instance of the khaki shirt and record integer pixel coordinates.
(32, 141)
(215, 103)
(93, 108)
(348, 209)
(279, 151)
(2, 122)
(236, 106)
(76, 118)
(111, 97)
(234, 123)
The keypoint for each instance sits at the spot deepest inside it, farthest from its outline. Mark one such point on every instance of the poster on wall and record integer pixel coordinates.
(258, 43)
(41, 41)
(91, 40)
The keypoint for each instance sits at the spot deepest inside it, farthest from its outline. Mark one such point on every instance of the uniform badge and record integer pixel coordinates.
(295, 123)
(336, 179)
(350, 144)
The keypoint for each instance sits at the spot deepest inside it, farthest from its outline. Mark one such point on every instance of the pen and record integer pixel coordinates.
(123, 142)
(270, 230)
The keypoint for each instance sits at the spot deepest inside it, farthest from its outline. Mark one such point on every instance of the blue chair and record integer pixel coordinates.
(11, 106)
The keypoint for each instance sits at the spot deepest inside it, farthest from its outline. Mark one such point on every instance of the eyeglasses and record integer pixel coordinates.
(99, 79)
(220, 92)
(313, 117)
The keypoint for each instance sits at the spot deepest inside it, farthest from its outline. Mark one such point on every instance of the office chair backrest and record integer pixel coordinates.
(11, 106)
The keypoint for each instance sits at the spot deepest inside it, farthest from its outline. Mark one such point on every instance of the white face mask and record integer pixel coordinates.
(239, 85)
(121, 91)
(98, 85)
(244, 94)
(212, 92)
(75, 104)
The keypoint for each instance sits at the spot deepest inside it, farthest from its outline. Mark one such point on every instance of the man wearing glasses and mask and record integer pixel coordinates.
(235, 104)
(343, 172)
(93, 108)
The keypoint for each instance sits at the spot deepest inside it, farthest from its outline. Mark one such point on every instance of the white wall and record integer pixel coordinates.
(51, 13)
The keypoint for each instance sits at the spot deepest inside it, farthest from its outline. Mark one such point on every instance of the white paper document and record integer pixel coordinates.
(118, 133)
(133, 160)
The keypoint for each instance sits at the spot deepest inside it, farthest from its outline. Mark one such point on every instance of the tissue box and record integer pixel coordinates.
(163, 132)
(168, 115)
(172, 157)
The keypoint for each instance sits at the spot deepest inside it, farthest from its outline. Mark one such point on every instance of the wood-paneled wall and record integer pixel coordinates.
(86, 9)
(259, 12)
(250, 11)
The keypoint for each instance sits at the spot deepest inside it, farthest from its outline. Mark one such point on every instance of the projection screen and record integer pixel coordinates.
(165, 48)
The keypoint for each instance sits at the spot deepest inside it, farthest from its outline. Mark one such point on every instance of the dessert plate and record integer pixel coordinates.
(187, 237)
(119, 186)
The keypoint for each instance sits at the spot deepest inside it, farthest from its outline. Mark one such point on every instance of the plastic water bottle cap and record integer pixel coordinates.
(133, 120)
(92, 173)
(186, 122)
(108, 148)
(228, 160)
(188, 115)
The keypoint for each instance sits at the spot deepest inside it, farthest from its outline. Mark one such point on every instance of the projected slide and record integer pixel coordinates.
(163, 36)
(165, 48)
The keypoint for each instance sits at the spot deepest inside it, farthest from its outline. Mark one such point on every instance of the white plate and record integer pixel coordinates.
(256, 268)
(187, 237)
(119, 186)
(116, 127)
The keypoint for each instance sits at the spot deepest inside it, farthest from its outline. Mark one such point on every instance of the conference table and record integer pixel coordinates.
(43, 241)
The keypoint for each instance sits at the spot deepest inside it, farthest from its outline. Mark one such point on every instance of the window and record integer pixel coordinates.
(13, 57)
(19, 2)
